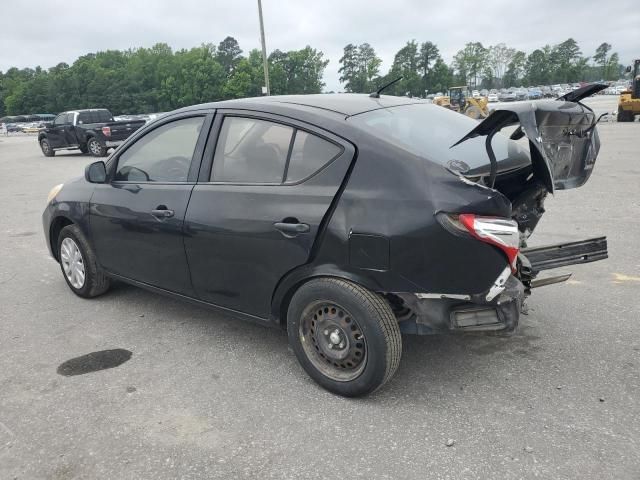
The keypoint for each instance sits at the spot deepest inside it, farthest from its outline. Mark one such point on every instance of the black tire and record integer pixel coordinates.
(353, 310)
(95, 281)
(95, 148)
(45, 146)
(84, 148)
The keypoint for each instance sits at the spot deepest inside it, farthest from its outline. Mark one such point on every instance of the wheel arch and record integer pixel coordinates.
(288, 285)
(56, 226)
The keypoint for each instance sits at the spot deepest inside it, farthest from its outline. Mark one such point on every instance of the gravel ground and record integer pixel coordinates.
(206, 396)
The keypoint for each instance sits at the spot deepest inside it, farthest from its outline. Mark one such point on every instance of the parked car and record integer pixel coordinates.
(534, 94)
(475, 94)
(33, 127)
(262, 209)
(91, 131)
(521, 94)
(508, 96)
(492, 97)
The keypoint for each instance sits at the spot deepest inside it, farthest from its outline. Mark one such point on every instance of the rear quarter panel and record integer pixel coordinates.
(396, 195)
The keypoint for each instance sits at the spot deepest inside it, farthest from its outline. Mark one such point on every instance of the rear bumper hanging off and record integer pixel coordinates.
(431, 314)
(498, 309)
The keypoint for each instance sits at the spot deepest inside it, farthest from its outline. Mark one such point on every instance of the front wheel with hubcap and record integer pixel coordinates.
(345, 336)
(78, 263)
(46, 148)
(95, 148)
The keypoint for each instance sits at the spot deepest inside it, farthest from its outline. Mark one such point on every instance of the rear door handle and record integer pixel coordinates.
(162, 213)
(292, 228)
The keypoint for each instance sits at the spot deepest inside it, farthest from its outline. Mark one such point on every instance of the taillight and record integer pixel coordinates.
(106, 131)
(501, 232)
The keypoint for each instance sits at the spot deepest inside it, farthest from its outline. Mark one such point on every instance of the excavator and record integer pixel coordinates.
(629, 101)
(460, 101)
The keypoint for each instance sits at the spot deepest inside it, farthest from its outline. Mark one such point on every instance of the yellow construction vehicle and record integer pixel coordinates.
(629, 101)
(460, 101)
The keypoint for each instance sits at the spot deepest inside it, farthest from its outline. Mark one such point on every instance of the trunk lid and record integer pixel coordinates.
(562, 136)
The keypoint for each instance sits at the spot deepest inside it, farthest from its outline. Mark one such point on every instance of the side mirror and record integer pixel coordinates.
(628, 69)
(96, 172)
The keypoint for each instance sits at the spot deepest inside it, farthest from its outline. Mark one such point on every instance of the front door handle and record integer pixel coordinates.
(162, 213)
(291, 229)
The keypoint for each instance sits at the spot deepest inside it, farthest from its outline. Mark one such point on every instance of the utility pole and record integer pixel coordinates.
(264, 51)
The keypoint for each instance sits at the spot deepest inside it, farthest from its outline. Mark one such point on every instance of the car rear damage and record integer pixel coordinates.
(563, 146)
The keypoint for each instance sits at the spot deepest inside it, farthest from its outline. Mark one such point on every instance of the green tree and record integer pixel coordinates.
(359, 67)
(515, 70)
(613, 67)
(538, 68)
(427, 59)
(350, 68)
(568, 63)
(471, 63)
(405, 65)
(441, 77)
(608, 63)
(498, 59)
(228, 54)
(297, 71)
(601, 57)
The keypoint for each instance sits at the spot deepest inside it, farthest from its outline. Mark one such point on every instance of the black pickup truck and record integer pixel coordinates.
(91, 131)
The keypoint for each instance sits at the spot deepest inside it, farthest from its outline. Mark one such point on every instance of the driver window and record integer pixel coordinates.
(60, 119)
(162, 155)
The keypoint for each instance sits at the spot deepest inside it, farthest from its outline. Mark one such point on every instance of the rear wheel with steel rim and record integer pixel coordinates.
(345, 336)
(333, 341)
(79, 265)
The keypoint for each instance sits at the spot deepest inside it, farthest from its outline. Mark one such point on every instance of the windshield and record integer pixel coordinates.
(429, 131)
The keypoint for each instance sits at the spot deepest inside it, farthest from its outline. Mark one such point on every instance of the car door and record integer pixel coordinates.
(69, 129)
(55, 133)
(263, 191)
(137, 218)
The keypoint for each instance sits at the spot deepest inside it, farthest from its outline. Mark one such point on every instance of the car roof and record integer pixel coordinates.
(344, 104)
(87, 110)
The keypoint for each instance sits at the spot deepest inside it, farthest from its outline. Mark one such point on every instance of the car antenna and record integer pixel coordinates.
(376, 94)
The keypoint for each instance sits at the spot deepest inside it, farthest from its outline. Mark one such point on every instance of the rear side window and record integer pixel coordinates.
(251, 151)
(163, 155)
(95, 116)
(309, 154)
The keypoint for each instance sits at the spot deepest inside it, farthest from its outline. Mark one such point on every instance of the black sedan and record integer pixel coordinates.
(344, 219)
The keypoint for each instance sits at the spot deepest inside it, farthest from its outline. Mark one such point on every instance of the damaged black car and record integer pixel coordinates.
(346, 219)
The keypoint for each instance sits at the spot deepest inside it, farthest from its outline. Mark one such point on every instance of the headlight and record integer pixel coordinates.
(54, 191)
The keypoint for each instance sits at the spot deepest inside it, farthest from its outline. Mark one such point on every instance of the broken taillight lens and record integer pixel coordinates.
(106, 131)
(501, 232)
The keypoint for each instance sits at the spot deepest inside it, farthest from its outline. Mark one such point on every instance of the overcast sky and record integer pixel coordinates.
(39, 32)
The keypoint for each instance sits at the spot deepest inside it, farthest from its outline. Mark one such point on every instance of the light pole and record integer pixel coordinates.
(264, 50)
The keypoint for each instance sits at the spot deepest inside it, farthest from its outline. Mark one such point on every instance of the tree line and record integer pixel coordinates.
(423, 69)
(156, 79)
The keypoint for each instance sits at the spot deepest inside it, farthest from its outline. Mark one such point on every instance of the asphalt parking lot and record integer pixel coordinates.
(207, 396)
